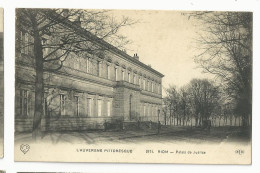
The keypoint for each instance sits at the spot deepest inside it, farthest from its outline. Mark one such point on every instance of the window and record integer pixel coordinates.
(22, 39)
(152, 110)
(123, 75)
(26, 47)
(98, 68)
(99, 107)
(143, 83)
(24, 102)
(134, 78)
(62, 104)
(129, 77)
(116, 78)
(45, 107)
(88, 66)
(148, 86)
(108, 72)
(108, 108)
(76, 63)
(31, 46)
(89, 107)
(139, 81)
(152, 86)
(144, 109)
(76, 98)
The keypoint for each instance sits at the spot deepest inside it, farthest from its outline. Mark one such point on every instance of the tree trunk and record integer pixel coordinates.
(165, 118)
(196, 120)
(39, 86)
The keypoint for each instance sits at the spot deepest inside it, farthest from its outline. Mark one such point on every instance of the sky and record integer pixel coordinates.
(162, 39)
(165, 40)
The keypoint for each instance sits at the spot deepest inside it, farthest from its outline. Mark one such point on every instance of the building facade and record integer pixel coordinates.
(88, 91)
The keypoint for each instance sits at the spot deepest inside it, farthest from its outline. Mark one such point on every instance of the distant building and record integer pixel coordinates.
(89, 90)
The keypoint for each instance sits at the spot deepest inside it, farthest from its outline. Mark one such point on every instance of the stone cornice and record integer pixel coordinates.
(84, 33)
(127, 85)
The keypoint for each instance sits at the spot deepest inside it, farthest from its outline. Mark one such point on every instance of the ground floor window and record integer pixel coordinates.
(89, 105)
(144, 110)
(45, 107)
(24, 102)
(99, 107)
(108, 109)
(76, 98)
(62, 104)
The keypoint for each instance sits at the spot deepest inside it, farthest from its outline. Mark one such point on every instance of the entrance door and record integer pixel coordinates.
(130, 107)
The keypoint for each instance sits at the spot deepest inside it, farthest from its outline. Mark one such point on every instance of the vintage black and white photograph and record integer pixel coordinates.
(1, 83)
(133, 86)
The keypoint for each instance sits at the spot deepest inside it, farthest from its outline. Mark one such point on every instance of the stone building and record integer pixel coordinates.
(89, 90)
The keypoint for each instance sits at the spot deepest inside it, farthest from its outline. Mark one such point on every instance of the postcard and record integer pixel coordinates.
(133, 86)
(1, 83)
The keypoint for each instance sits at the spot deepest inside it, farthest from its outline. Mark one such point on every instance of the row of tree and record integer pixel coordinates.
(224, 46)
(197, 102)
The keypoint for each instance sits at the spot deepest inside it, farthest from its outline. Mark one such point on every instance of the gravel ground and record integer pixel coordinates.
(166, 135)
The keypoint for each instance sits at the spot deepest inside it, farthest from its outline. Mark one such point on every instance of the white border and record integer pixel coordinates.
(9, 37)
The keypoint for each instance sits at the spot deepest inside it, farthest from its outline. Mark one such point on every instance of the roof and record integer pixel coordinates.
(54, 16)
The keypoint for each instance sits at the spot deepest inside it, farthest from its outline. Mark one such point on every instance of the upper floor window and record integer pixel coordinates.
(116, 76)
(123, 75)
(88, 65)
(129, 77)
(98, 68)
(108, 72)
(25, 42)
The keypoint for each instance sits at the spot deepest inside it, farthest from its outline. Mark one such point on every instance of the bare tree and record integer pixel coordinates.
(184, 104)
(204, 99)
(172, 100)
(55, 34)
(225, 44)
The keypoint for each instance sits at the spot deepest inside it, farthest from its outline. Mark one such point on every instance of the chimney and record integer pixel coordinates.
(77, 21)
(136, 56)
(65, 12)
